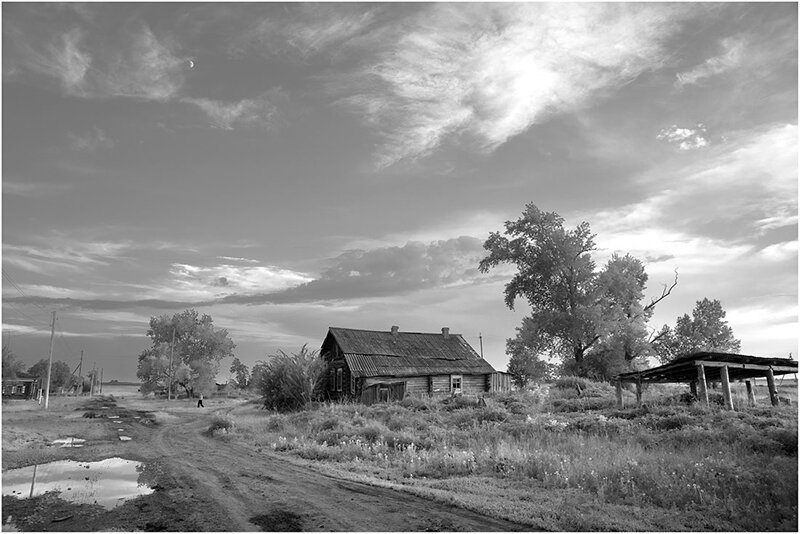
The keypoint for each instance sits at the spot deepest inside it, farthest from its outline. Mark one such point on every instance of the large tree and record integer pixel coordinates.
(241, 373)
(60, 375)
(196, 352)
(576, 311)
(12, 367)
(706, 329)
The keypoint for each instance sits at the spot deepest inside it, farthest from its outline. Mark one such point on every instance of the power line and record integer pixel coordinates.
(15, 286)
(37, 321)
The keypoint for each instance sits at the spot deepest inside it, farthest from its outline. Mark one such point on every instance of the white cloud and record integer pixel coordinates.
(146, 68)
(191, 282)
(685, 138)
(728, 60)
(58, 253)
(246, 112)
(484, 73)
(26, 189)
(90, 141)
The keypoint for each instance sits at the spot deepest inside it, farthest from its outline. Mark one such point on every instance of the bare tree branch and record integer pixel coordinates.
(664, 293)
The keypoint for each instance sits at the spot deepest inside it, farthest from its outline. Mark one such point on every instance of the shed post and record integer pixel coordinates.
(701, 383)
(773, 393)
(639, 393)
(751, 397)
(726, 387)
(693, 388)
(620, 404)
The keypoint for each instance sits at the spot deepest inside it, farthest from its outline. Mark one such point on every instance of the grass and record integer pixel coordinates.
(719, 469)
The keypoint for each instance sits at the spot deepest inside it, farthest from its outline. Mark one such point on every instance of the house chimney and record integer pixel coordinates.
(394, 330)
(446, 332)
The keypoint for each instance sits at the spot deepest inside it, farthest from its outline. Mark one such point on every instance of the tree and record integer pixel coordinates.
(196, 353)
(12, 367)
(241, 372)
(706, 330)
(289, 382)
(525, 364)
(60, 376)
(575, 310)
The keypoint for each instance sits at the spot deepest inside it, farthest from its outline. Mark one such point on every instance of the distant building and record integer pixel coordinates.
(21, 388)
(375, 366)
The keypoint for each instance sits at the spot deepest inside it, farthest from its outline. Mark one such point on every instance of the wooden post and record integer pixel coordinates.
(701, 383)
(620, 403)
(773, 393)
(693, 388)
(726, 387)
(751, 396)
(639, 393)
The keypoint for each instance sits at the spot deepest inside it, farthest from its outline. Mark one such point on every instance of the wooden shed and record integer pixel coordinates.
(701, 368)
(375, 366)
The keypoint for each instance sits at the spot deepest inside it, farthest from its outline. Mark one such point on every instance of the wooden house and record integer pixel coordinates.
(375, 366)
(21, 388)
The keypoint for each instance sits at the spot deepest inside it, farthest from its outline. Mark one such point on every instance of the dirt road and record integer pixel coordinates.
(206, 484)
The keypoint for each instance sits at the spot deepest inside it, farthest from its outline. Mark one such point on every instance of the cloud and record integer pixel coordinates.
(52, 256)
(259, 112)
(145, 68)
(192, 282)
(482, 73)
(90, 141)
(685, 138)
(137, 64)
(305, 30)
(728, 60)
(26, 189)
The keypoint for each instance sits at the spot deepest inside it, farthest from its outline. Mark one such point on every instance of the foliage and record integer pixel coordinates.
(707, 330)
(735, 468)
(575, 310)
(196, 354)
(241, 373)
(525, 364)
(12, 367)
(60, 375)
(289, 382)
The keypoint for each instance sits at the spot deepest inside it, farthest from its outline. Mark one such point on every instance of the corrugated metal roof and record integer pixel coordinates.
(381, 353)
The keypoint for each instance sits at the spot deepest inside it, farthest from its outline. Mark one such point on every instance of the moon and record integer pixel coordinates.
(191, 64)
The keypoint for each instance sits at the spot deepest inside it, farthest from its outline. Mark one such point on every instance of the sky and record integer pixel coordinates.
(289, 167)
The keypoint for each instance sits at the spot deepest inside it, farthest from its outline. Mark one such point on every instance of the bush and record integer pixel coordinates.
(289, 382)
(219, 425)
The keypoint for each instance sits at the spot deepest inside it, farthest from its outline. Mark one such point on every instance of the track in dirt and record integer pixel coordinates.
(260, 491)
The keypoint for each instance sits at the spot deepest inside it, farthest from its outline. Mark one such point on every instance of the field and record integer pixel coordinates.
(546, 459)
(554, 460)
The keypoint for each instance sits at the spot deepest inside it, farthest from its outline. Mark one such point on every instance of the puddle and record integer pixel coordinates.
(113, 417)
(108, 483)
(118, 422)
(69, 442)
(125, 438)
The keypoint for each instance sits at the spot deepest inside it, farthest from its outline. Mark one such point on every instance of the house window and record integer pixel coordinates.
(339, 374)
(455, 384)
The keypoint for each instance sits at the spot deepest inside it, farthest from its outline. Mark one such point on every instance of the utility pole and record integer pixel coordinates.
(480, 338)
(50, 362)
(94, 379)
(171, 351)
(101, 380)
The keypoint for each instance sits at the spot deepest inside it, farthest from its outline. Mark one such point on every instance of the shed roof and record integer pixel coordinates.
(382, 353)
(740, 366)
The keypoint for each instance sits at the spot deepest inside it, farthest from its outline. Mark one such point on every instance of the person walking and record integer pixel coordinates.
(200, 402)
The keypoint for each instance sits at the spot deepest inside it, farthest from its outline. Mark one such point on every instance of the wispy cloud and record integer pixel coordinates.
(52, 256)
(29, 189)
(685, 138)
(90, 141)
(483, 73)
(258, 112)
(728, 60)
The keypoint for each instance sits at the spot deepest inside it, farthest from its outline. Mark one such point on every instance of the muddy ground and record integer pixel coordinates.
(201, 483)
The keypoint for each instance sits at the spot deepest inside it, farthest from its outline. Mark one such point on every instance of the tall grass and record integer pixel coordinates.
(740, 465)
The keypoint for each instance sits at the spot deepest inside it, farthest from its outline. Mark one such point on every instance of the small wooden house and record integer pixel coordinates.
(375, 366)
(21, 388)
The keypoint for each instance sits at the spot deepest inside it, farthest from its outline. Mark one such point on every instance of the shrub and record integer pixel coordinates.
(219, 425)
(289, 382)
